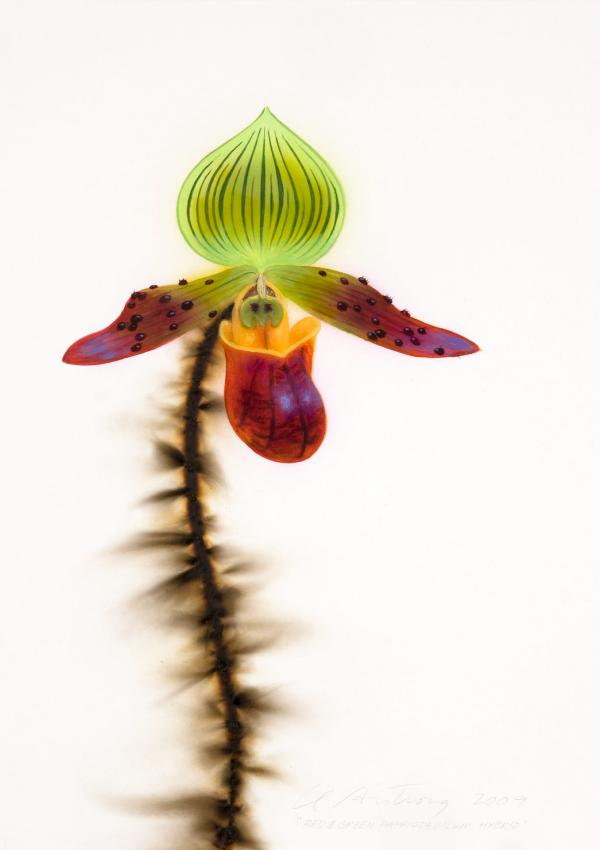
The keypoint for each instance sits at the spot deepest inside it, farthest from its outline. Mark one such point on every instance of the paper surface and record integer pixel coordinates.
(437, 559)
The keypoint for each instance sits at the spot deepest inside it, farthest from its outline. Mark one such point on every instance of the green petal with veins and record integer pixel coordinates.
(264, 197)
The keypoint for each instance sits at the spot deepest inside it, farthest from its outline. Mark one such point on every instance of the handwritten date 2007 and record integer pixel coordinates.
(409, 794)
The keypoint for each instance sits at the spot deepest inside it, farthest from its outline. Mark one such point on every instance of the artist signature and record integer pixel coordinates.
(409, 794)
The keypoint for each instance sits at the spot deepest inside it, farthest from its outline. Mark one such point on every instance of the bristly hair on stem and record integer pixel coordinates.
(227, 832)
(219, 817)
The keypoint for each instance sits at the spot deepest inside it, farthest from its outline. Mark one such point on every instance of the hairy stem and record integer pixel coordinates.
(214, 615)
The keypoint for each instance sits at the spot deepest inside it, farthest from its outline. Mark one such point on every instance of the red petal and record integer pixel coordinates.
(271, 400)
(153, 317)
(346, 302)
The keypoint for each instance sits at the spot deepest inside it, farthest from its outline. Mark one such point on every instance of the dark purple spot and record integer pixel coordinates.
(120, 326)
(171, 313)
(380, 333)
(371, 301)
(183, 282)
(344, 280)
(439, 351)
(388, 298)
(136, 347)
(398, 342)
(173, 327)
(421, 330)
(164, 298)
(362, 280)
(405, 312)
(408, 331)
(141, 296)
(131, 305)
(212, 314)
(322, 273)
(154, 286)
(132, 326)
(371, 335)
(187, 305)
(135, 295)
(357, 308)
(341, 305)
(140, 336)
(415, 341)
(375, 321)
(254, 308)
(137, 318)
(210, 280)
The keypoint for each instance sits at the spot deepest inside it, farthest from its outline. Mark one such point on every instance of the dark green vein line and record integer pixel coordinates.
(296, 205)
(244, 191)
(222, 197)
(262, 190)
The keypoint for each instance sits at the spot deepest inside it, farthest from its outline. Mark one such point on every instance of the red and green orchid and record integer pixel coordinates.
(266, 206)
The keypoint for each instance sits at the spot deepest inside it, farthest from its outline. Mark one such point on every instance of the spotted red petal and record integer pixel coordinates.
(353, 305)
(157, 315)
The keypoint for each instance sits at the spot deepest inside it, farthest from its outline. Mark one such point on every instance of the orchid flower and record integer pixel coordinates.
(266, 206)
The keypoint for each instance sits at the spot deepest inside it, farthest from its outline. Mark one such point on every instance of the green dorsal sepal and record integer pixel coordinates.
(264, 197)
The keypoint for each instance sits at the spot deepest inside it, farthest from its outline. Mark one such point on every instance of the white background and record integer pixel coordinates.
(438, 556)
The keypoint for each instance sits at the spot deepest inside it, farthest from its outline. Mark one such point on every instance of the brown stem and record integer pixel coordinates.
(215, 613)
